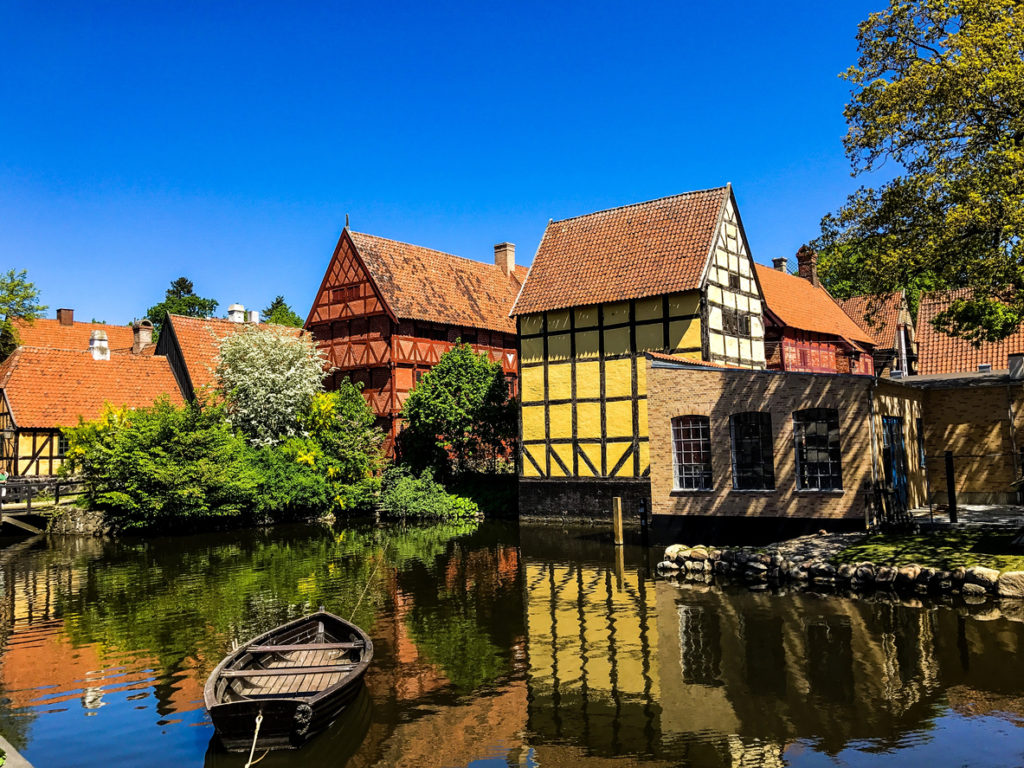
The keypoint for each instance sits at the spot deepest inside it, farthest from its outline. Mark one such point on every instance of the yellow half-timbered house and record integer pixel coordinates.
(672, 275)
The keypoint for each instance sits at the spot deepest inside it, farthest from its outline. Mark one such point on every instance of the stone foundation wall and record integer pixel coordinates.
(582, 499)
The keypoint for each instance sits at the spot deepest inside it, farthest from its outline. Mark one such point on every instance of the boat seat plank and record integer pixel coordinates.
(304, 647)
(294, 670)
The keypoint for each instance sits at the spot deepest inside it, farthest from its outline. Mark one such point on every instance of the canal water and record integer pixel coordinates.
(495, 646)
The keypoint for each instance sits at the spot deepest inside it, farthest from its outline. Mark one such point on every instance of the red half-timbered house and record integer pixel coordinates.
(806, 330)
(386, 311)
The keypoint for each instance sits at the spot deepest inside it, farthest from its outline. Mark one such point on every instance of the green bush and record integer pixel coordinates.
(149, 467)
(405, 495)
(169, 467)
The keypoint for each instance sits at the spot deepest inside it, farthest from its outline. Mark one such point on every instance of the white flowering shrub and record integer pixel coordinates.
(268, 376)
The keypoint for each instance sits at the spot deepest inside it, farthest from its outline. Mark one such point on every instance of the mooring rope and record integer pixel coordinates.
(255, 738)
(369, 581)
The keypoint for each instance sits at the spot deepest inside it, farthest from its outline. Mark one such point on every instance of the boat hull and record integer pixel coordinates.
(286, 724)
(268, 679)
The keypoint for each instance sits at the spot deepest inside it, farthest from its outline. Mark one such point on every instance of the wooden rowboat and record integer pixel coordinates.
(299, 677)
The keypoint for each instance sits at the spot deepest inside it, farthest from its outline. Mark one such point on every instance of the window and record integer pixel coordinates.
(691, 453)
(816, 431)
(734, 281)
(753, 460)
(62, 446)
(345, 293)
(734, 323)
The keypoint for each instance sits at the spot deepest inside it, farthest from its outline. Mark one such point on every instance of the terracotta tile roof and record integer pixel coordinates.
(939, 353)
(49, 388)
(876, 316)
(422, 284)
(695, 363)
(50, 334)
(199, 340)
(644, 249)
(800, 305)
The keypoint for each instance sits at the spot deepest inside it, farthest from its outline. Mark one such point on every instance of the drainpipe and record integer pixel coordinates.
(901, 334)
(871, 422)
(1013, 437)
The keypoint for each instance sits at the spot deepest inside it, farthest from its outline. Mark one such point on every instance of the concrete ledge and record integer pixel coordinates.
(14, 758)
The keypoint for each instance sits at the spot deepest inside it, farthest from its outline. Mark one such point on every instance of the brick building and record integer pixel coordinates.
(805, 328)
(64, 332)
(672, 275)
(386, 311)
(727, 442)
(977, 416)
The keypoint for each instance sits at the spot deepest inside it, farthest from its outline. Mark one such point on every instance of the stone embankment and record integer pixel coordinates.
(809, 560)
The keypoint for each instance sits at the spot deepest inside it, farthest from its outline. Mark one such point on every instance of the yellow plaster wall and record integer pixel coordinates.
(577, 337)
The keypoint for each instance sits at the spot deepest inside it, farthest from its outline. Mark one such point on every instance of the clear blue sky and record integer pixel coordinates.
(141, 141)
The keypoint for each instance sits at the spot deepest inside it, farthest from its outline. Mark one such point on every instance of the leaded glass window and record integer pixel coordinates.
(818, 466)
(753, 458)
(691, 452)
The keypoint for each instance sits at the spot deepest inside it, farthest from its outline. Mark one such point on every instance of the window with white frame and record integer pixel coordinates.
(818, 465)
(753, 458)
(691, 453)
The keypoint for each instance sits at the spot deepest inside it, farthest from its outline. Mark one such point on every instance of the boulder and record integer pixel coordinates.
(667, 566)
(723, 567)
(1011, 584)
(970, 589)
(821, 570)
(866, 572)
(672, 552)
(906, 575)
(698, 553)
(728, 555)
(885, 576)
(983, 577)
(846, 571)
(958, 575)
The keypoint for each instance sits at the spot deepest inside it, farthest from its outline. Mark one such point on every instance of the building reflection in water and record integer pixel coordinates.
(731, 677)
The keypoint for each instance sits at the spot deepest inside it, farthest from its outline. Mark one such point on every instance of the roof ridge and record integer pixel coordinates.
(424, 248)
(635, 205)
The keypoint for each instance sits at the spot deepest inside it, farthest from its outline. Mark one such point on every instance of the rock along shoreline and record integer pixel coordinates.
(796, 562)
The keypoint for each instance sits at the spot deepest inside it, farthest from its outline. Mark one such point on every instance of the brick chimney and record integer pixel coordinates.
(779, 264)
(807, 264)
(66, 316)
(505, 257)
(142, 333)
(98, 345)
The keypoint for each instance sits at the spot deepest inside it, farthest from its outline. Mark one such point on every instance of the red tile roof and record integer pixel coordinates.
(877, 316)
(50, 334)
(697, 363)
(422, 284)
(49, 388)
(645, 249)
(806, 307)
(939, 353)
(199, 340)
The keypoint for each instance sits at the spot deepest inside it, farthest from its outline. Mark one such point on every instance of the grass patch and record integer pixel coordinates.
(939, 549)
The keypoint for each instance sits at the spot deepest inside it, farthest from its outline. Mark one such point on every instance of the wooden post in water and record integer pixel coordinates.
(617, 520)
(951, 488)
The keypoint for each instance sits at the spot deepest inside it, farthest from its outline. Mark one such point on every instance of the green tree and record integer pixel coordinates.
(180, 299)
(938, 90)
(268, 376)
(459, 416)
(280, 313)
(342, 425)
(18, 299)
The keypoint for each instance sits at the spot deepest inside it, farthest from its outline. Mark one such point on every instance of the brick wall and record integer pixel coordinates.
(718, 394)
(974, 423)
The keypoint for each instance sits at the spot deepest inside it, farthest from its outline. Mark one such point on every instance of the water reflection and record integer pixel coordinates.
(494, 647)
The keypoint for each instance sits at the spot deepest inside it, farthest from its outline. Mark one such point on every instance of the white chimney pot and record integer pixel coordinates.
(236, 313)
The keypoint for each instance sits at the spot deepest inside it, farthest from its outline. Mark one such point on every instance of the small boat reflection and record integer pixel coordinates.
(334, 747)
